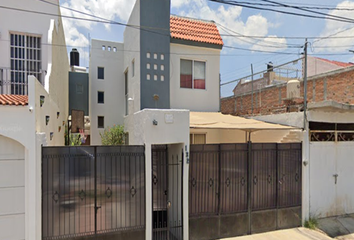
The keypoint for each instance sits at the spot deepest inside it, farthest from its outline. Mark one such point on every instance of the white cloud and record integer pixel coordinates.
(231, 23)
(271, 43)
(337, 29)
(179, 3)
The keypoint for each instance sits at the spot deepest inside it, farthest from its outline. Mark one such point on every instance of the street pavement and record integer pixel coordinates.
(288, 234)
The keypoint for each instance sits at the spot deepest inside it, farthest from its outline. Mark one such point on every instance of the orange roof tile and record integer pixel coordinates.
(340, 64)
(16, 100)
(195, 30)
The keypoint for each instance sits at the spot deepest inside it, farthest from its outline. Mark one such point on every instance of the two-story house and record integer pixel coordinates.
(33, 108)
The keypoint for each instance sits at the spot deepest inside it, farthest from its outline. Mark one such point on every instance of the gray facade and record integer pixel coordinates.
(79, 92)
(155, 41)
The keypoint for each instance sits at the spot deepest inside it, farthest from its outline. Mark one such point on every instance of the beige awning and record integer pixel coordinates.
(215, 120)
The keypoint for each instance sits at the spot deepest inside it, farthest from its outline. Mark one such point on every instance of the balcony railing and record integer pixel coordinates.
(15, 82)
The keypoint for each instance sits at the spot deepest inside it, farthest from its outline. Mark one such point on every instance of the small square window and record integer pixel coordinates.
(100, 122)
(155, 77)
(100, 73)
(109, 48)
(155, 55)
(148, 55)
(162, 67)
(100, 97)
(148, 66)
(155, 66)
(103, 47)
(162, 57)
(162, 78)
(147, 76)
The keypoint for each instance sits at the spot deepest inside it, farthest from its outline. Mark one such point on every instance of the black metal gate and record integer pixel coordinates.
(254, 185)
(93, 191)
(167, 194)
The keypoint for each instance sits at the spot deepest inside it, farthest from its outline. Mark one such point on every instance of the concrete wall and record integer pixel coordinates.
(25, 22)
(113, 108)
(207, 99)
(132, 52)
(172, 128)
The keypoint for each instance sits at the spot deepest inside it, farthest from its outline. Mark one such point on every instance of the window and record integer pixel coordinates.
(155, 77)
(25, 60)
(155, 66)
(148, 55)
(197, 138)
(103, 47)
(114, 49)
(100, 122)
(155, 55)
(126, 91)
(148, 77)
(192, 74)
(109, 48)
(148, 66)
(133, 67)
(162, 78)
(162, 67)
(100, 97)
(100, 73)
(162, 57)
(331, 132)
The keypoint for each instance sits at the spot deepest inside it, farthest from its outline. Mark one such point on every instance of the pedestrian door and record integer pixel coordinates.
(166, 194)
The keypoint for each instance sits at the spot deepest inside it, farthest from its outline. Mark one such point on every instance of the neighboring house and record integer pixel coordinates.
(174, 66)
(33, 109)
(327, 134)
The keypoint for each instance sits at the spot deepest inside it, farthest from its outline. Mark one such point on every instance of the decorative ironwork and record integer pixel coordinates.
(269, 179)
(243, 181)
(323, 136)
(297, 177)
(133, 191)
(55, 197)
(154, 179)
(108, 192)
(255, 180)
(211, 182)
(82, 194)
(227, 182)
(194, 182)
(345, 136)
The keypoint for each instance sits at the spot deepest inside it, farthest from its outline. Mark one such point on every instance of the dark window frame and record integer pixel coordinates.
(100, 76)
(99, 123)
(100, 100)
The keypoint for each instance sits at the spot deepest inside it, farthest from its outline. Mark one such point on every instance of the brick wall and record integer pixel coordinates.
(337, 86)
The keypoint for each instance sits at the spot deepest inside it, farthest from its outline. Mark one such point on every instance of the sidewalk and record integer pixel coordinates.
(288, 234)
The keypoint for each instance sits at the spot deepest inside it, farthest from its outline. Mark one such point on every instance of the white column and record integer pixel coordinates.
(148, 190)
(305, 176)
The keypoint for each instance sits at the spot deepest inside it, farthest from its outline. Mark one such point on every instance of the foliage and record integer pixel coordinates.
(312, 223)
(73, 140)
(113, 135)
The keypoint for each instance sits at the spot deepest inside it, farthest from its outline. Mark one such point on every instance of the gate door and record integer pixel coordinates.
(167, 194)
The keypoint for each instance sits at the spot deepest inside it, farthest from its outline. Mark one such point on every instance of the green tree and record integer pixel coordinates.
(113, 135)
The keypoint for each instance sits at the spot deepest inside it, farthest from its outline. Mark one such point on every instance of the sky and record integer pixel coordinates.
(276, 29)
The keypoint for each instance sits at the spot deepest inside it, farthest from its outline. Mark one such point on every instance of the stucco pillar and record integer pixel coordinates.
(148, 190)
(305, 176)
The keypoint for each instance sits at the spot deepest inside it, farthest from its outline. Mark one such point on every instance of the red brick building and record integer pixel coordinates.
(337, 85)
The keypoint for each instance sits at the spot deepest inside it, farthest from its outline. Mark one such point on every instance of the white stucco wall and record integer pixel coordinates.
(132, 52)
(24, 22)
(113, 108)
(207, 99)
(172, 128)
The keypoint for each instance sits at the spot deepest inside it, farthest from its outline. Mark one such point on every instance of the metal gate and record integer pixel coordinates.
(93, 191)
(166, 194)
(258, 184)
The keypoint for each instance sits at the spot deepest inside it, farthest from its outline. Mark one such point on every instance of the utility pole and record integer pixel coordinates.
(252, 86)
(305, 85)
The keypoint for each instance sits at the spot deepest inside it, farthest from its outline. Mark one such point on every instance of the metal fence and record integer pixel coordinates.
(92, 190)
(235, 178)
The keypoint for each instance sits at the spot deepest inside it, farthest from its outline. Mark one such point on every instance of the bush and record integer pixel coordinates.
(113, 136)
(311, 223)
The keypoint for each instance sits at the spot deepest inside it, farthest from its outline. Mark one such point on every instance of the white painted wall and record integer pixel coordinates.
(317, 66)
(25, 22)
(142, 131)
(195, 99)
(132, 52)
(12, 189)
(113, 108)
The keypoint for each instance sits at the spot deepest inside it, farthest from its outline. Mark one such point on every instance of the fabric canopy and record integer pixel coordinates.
(216, 120)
